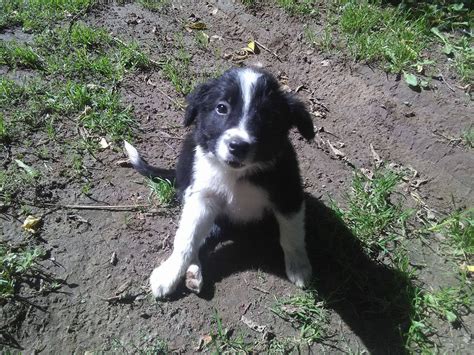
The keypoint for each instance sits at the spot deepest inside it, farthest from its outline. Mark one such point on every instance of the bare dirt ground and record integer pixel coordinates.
(104, 304)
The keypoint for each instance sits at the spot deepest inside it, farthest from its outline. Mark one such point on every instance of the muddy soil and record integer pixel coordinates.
(353, 104)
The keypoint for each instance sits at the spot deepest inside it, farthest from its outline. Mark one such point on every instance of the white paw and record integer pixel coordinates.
(298, 269)
(194, 278)
(164, 279)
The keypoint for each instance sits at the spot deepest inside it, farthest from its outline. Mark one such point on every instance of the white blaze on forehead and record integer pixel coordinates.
(248, 78)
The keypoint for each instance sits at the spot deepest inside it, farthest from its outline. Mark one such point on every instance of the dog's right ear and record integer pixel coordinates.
(194, 100)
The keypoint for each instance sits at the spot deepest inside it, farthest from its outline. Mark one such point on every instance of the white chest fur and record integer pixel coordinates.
(240, 200)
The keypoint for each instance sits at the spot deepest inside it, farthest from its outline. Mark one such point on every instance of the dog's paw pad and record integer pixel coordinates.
(194, 278)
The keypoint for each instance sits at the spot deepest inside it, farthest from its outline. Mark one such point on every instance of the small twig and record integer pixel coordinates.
(167, 135)
(91, 207)
(260, 289)
(444, 81)
(268, 50)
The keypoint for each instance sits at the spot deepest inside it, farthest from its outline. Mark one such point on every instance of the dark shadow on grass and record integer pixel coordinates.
(372, 299)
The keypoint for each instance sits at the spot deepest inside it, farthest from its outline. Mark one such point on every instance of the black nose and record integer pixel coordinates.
(238, 148)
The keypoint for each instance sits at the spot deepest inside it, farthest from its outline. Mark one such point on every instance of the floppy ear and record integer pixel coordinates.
(300, 117)
(193, 100)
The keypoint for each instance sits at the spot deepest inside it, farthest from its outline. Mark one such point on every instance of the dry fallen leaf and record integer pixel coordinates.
(367, 173)
(377, 159)
(196, 26)
(215, 38)
(31, 224)
(252, 325)
(203, 342)
(29, 170)
(251, 48)
(336, 151)
(103, 143)
(468, 268)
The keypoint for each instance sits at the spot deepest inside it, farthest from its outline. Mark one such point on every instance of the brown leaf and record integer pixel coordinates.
(336, 151)
(31, 224)
(377, 159)
(196, 26)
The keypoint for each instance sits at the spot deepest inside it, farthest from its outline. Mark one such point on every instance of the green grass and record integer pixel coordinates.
(101, 111)
(397, 37)
(298, 7)
(222, 340)
(81, 55)
(458, 228)
(15, 264)
(381, 226)
(13, 181)
(386, 34)
(163, 190)
(71, 99)
(448, 304)
(15, 55)
(146, 346)
(201, 39)
(176, 70)
(35, 15)
(461, 50)
(306, 313)
(468, 137)
(370, 214)
(155, 5)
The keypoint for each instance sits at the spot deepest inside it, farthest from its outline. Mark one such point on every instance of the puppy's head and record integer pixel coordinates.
(243, 117)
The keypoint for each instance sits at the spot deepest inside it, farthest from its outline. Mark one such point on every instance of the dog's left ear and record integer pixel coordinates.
(300, 117)
(194, 100)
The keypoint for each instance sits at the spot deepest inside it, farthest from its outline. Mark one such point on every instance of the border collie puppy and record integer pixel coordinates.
(239, 165)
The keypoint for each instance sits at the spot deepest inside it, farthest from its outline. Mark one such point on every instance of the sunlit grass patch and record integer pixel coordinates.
(371, 215)
(458, 229)
(35, 15)
(176, 70)
(298, 7)
(221, 340)
(376, 33)
(15, 263)
(155, 5)
(15, 55)
(162, 189)
(100, 110)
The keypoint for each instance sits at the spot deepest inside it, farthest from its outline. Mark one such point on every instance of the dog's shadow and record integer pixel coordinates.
(372, 299)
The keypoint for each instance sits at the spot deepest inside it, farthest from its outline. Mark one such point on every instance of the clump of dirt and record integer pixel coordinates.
(104, 257)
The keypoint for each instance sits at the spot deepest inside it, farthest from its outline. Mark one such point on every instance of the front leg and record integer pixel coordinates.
(197, 218)
(292, 241)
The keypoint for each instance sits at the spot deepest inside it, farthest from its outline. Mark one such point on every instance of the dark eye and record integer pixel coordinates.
(223, 108)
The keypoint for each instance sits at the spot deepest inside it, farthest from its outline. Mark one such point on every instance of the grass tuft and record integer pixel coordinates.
(163, 190)
(297, 7)
(370, 214)
(306, 313)
(35, 15)
(459, 231)
(14, 55)
(15, 263)
(155, 5)
(176, 70)
(222, 340)
(375, 33)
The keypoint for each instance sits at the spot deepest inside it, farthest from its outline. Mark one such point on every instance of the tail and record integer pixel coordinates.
(144, 168)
